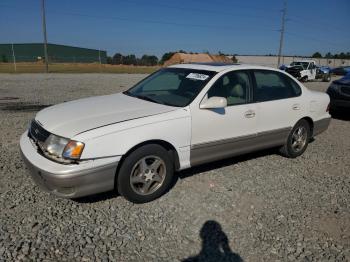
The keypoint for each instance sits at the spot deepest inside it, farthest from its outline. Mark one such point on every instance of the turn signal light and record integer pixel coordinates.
(73, 150)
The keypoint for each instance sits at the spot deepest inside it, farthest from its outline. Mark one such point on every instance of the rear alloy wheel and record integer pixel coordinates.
(145, 174)
(297, 141)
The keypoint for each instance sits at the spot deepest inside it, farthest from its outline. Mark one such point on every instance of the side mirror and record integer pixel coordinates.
(214, 102)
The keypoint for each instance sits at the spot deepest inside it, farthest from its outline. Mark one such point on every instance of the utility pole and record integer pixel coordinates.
(14, 58)
(99, 58)
(45, 36)
(284, 11)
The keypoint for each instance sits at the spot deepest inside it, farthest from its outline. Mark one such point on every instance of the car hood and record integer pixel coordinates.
(295, 68)
(344, 80)
(72, 118)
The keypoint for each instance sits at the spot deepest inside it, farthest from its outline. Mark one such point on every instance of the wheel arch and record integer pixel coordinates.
(168, 146)
(310, 122)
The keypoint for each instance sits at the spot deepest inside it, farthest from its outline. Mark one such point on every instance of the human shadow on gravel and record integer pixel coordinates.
(215, 245)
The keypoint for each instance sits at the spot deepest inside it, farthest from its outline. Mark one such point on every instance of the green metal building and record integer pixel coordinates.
(33, 52)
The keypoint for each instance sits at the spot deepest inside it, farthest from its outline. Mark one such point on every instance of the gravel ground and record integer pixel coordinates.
(258, 207)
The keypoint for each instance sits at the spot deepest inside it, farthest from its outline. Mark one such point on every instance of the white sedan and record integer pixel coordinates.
(179, 117)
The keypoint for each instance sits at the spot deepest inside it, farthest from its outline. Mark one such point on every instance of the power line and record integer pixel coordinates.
(312, 38)
(220, 27)
(200, 10)
(239, 5)
(314, 27)
(301, 20)
(137, 20)
(217, 27)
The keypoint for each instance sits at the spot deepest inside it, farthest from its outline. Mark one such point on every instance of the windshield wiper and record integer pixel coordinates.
(146, 98)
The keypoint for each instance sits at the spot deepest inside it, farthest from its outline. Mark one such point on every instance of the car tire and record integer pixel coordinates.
(145, 174)
(304, 79)
(327, 78)
(298, 140)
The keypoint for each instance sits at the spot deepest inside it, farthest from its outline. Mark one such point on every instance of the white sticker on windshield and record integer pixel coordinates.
(197, 76)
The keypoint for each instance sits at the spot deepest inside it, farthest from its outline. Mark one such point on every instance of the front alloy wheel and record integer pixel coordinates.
(145, 174)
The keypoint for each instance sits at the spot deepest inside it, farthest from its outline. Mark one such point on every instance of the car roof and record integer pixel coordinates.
(218, 67)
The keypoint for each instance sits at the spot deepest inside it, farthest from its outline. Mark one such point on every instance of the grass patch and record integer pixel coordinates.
(76, 68)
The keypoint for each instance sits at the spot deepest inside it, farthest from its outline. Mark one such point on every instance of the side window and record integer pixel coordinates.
(271, 85)
(296, 88)
(234, 86)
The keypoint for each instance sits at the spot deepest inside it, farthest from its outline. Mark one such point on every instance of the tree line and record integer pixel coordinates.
(148, 60)
(329, 55)
(145, 60)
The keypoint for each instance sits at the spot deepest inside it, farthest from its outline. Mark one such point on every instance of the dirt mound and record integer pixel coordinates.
(181, 58)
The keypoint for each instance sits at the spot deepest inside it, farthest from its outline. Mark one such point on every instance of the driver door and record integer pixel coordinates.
(224, 132)
(312, 71)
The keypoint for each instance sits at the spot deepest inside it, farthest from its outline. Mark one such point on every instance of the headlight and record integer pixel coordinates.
(56, 146)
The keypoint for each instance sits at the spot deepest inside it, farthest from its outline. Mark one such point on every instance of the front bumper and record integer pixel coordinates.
(340, 103)
(69, 181)
(338, 98)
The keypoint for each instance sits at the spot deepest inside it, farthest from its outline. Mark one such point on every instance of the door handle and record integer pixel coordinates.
(249, 114)
(296, 107)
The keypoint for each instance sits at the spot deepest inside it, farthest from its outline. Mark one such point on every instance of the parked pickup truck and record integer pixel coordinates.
(306, 70)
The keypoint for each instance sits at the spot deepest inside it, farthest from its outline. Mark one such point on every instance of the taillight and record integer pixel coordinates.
(329, 105)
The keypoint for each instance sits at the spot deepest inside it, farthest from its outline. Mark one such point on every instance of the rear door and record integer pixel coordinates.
(278, 104)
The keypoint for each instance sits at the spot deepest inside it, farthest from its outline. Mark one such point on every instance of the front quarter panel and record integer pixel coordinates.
(117, 139)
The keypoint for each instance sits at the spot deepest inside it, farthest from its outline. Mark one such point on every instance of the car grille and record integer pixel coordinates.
(293, 72)
(345, 90)
(37, 132)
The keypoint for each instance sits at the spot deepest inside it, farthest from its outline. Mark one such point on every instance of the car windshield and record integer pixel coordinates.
(171, 86)
(302, 64)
